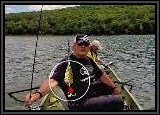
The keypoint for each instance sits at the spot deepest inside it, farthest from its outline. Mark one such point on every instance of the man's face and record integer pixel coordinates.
(81, 49)
(95, 48)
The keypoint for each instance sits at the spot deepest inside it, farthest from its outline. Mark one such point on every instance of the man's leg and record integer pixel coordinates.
(109, 102)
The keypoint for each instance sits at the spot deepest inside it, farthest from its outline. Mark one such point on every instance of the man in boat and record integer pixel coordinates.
(93, 53)
(102, 93)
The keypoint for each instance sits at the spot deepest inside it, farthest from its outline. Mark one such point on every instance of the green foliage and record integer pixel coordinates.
(88, 19)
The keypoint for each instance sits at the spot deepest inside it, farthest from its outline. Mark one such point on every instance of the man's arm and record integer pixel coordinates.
(42, 91)
(45, 86)
(106, 80)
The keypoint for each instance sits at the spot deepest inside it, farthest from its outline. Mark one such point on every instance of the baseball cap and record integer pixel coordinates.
(82, 38)
(96, 43)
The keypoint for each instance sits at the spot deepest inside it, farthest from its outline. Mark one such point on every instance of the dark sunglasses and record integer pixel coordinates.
(83, 43)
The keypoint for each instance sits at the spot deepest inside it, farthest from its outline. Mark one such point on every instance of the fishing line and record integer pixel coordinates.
(68, 49)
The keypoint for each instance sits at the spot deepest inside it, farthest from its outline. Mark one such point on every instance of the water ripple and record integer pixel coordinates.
(133, 57)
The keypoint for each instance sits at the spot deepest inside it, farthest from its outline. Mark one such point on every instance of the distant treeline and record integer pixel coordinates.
(88, 19)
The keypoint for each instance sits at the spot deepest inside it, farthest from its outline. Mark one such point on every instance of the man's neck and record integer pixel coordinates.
(79, 56)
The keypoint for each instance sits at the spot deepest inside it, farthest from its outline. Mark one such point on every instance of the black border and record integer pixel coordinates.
(3, 3)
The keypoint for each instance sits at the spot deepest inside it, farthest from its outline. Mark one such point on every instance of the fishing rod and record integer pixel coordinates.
(122, 82)
(31, 87)
(38, 31)
(68, 49)
(10, 94)
(23, 90)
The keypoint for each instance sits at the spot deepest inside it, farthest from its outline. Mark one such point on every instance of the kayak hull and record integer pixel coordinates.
(52, 102)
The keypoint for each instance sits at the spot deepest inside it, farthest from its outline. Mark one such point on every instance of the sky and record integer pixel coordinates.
(30, 8)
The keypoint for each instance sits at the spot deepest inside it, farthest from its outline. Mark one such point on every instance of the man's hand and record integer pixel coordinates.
(30, 98)
(116, 91)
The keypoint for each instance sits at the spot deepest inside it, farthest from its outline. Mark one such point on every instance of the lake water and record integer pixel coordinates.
(133, 57)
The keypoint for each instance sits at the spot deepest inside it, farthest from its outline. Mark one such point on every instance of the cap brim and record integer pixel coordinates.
(83, 41)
